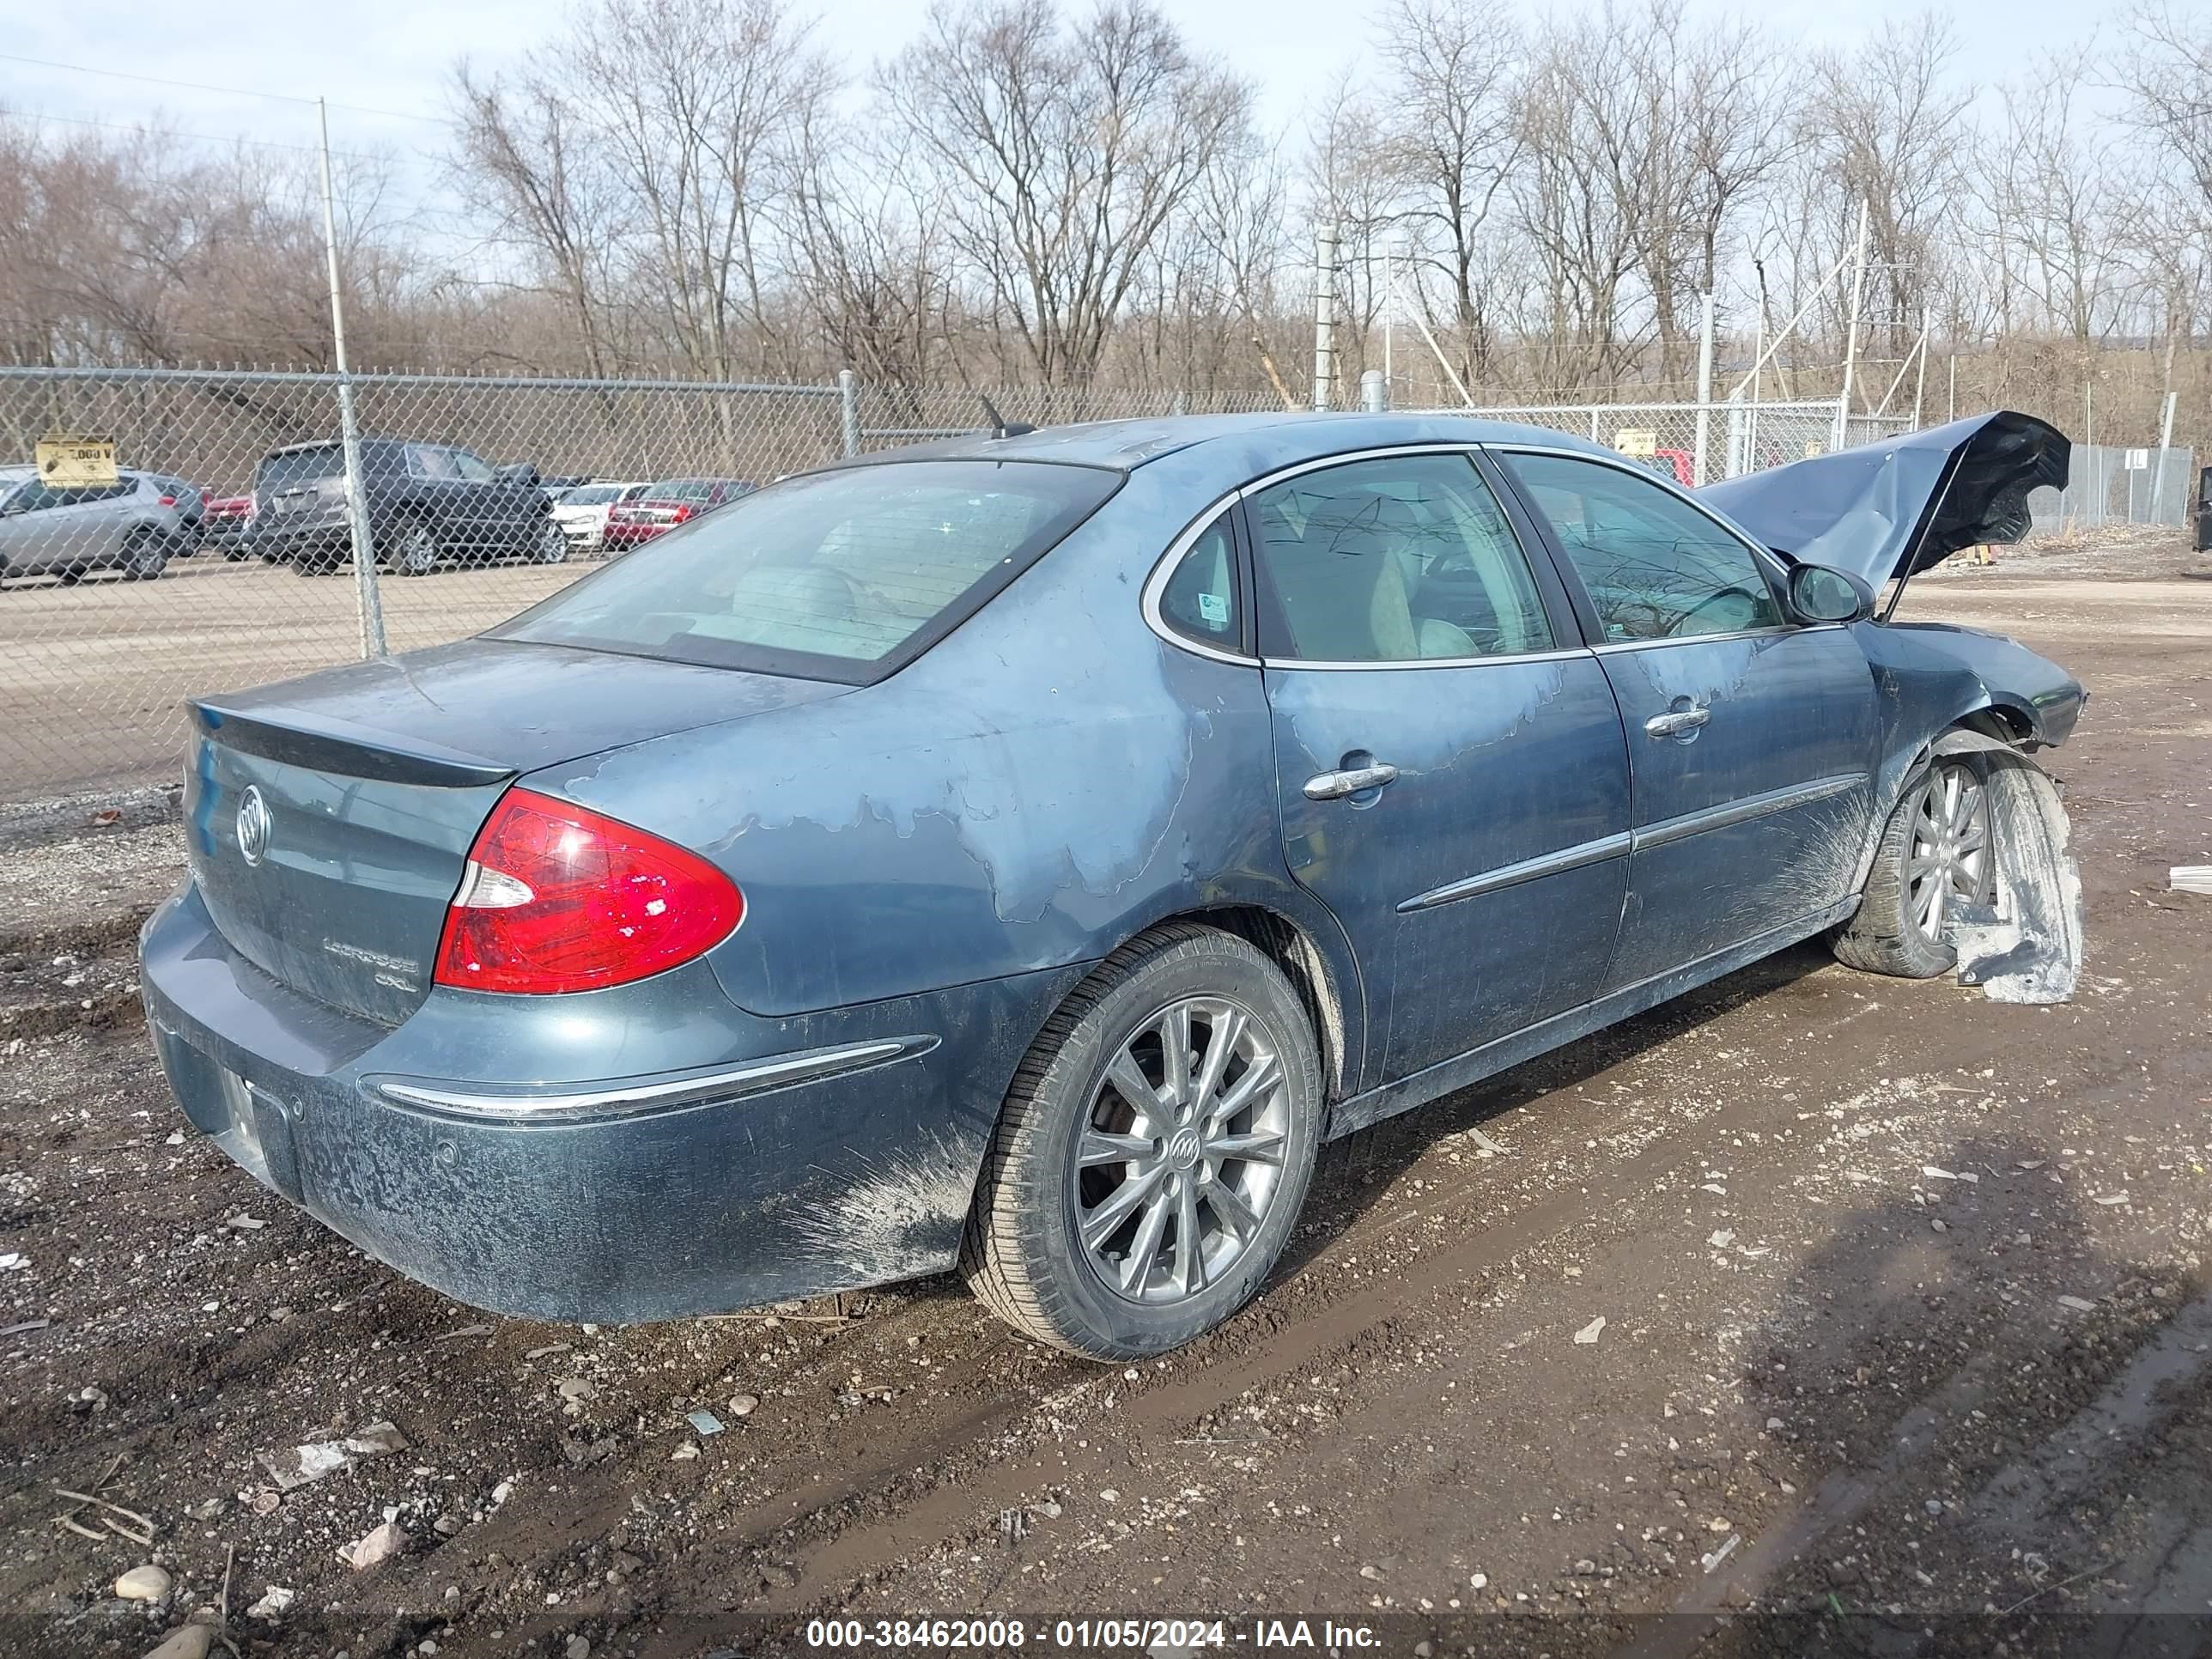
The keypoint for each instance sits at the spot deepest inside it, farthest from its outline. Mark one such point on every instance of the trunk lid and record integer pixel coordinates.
(1883, 510)
(328, 819)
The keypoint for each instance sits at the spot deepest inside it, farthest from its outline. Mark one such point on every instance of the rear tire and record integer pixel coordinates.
(416, 553)
(1130, 1202)
(145, 557)
(1937, 850)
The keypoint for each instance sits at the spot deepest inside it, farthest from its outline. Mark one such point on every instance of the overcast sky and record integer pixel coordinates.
(394, 54)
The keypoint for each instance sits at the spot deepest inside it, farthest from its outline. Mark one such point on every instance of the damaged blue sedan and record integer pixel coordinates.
(1022, 853)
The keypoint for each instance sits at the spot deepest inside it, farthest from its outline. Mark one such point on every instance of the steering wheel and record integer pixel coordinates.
(1749, 598)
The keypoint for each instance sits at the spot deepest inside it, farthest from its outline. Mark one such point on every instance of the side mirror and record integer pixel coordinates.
(1820, 594)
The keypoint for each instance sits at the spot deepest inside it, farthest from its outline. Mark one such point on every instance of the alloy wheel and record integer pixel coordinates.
(1181, 1154)
(1950, 860)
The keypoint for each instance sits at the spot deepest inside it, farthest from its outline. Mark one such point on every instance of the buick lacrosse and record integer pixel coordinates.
(1022, 853)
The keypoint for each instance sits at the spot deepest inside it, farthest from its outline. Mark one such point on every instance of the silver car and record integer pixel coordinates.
(51, 531)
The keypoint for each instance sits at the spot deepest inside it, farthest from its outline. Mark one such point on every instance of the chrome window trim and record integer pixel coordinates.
(1269, 480)
(562, 1103)
(1381, 664)
(1162, 573)
(1511, 875)
(1745, 809)
(1612, 648)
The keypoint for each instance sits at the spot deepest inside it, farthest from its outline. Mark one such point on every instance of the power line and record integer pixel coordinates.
(203, 86)
(151, 130)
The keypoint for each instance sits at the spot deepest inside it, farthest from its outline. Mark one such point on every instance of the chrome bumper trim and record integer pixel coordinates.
(525, 1103)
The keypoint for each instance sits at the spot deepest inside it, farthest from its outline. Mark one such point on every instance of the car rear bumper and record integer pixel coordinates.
(279, 540)
(777, 1159)
(621, 537)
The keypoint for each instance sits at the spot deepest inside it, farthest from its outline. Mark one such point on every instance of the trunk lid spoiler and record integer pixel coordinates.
(1884, 511)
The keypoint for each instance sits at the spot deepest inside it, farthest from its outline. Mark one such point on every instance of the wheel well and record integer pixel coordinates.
(1290, 947)
(2002, 721)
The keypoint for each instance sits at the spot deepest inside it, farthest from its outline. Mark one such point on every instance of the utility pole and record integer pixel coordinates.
(1920, 381)
(1705, 387)
(2158, 478)
(1324, 314)
(364, 550)
(1851, 338)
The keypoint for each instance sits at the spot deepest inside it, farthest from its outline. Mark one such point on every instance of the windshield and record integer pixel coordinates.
(844, 575)
(296, 467)
(590, 495)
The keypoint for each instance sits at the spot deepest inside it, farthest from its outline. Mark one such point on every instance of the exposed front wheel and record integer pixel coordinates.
(1153, 1152)
(552, 545)
(1938, 855)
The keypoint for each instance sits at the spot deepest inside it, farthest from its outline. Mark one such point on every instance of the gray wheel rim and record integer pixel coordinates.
(1951, 859)
(1181, 1154)
(552, 545)
(419, 551)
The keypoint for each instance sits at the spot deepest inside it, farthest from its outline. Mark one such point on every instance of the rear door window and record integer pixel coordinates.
(844, 575)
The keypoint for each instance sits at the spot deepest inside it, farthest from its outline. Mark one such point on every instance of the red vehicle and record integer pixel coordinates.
(663, 507)
(1673, 465)
(224, 522)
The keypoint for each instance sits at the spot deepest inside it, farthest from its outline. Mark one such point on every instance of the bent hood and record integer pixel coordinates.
(1889, 509)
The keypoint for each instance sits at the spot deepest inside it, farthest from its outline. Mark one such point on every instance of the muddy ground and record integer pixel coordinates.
(1907, 1333)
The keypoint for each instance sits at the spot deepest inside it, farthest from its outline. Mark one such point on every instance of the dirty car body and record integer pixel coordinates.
(1433, 717)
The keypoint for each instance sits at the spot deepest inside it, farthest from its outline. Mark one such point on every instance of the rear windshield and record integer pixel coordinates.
(844, 575)
(300, 466)
(682, 489)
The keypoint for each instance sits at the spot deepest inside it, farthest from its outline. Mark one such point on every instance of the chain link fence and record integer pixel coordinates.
(2108, 485)
(223, 553)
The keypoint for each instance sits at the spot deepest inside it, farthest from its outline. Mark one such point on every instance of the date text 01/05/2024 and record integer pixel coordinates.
(1124, 1634)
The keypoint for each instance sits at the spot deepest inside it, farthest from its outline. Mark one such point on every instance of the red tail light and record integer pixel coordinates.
(682, 512)
(168, 500)
(206, 495)
(557, 898)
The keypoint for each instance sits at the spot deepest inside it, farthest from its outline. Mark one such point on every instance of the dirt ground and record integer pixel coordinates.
(1906, 1334)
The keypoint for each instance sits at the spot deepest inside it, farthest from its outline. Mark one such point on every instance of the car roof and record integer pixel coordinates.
(1296, 435)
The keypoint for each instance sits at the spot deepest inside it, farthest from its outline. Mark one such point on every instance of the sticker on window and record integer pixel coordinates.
(1215, 609)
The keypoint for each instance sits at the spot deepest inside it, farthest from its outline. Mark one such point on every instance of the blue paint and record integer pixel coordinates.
(949, 851)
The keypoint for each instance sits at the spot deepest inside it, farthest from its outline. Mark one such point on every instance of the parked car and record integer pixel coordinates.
(189, 501)
(2202, 541)
(660, 508)
(47, 530)
(1022, 852)
(581, 512)
(227, 521)
(428, 504)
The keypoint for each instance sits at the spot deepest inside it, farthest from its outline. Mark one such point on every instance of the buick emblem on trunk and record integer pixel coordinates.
(252, 824)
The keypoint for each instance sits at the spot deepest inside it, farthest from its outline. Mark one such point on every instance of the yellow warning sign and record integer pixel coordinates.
(73, 461)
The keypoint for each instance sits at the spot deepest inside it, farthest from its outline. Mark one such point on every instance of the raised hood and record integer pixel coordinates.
(1889, 509)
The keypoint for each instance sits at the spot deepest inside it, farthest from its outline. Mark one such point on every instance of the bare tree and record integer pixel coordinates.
(1064, 154)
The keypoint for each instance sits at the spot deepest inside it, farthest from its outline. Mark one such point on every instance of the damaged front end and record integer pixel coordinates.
(2026, 946)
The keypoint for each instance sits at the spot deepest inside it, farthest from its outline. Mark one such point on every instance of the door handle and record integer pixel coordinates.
(1335, 785)
(1676, 723)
